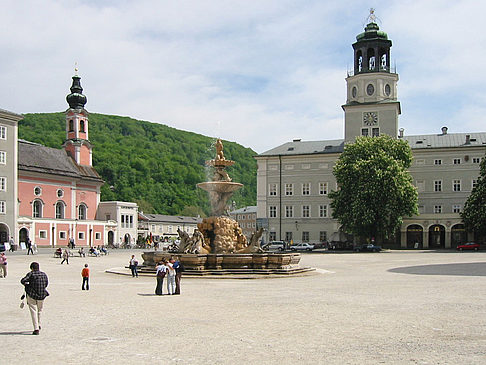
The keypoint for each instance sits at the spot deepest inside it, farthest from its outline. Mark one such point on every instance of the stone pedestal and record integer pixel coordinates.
(237, 261)
(214, 261)
(226, 263)
(259, 261)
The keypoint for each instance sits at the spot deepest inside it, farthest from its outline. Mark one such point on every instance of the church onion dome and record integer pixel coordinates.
(372, 32)
(76, 99)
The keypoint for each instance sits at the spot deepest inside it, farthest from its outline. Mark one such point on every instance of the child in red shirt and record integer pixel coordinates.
(85, 275)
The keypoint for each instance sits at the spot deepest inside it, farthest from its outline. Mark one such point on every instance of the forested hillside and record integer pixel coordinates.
(153, 164)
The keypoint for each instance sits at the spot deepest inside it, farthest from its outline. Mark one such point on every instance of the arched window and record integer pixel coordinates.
(37, 209)
(71, 126)
(81, 126)
(60, 210)
(359, 61)
(371, 59)
(82, 212)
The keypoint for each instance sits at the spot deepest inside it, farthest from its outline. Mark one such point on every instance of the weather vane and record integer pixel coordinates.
(372, 18)
(76, 68)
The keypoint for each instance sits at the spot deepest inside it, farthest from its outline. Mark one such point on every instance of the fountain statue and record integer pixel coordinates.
(219, 246)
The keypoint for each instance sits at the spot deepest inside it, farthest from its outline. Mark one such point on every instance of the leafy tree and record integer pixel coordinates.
(375, 189)
(192, 211)
(474, 213)
(144, 206)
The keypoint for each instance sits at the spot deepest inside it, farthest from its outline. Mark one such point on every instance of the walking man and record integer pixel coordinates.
(3, 265)
(85, 275)
(29, 246)
(35, 283)
(133, 266)
(12, 244)
(65, 256)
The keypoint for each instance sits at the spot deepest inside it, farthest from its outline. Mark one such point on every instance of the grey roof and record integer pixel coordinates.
(169, 218)
(249, 209)
(449, 140)
(11, 113)
(34, 157)
(298, 147)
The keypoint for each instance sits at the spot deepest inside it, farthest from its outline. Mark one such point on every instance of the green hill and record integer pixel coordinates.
(150, 163)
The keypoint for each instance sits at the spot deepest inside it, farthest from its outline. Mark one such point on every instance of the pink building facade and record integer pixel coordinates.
(58, 189)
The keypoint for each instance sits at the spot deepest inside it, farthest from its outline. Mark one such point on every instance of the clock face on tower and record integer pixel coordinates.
(370, 118)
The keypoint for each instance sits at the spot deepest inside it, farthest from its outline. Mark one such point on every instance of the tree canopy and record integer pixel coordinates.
(149, 163)
(474, 212)
(375, 189)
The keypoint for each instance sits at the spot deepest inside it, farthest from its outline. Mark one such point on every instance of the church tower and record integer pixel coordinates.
(77, 143)
(371, 107)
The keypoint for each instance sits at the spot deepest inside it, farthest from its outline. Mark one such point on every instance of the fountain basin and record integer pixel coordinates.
(229, 264)
(219, 186)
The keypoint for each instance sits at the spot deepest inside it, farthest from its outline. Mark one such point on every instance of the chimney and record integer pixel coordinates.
(400, 132)
(468, 139)
(444, 130)
(297, 140)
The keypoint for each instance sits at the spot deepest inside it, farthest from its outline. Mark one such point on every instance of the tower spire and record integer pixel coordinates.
(76, 99)
(77, 143)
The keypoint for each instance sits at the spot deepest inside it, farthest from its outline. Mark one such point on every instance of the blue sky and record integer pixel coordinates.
(260, 73)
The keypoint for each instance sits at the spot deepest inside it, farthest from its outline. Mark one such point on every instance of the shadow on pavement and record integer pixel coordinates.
(21, 333)
(146, 295)
(466, 269)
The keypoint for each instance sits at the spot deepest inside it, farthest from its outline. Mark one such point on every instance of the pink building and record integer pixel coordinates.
(58, 189)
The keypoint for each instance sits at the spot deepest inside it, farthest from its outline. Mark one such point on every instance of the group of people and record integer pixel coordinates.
(172, 270)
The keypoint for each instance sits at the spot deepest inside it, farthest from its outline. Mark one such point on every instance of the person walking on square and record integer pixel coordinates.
(160, 271)
(12, 244)
(171, 274)
(35, 283)
(3, 265)
(179, 268)
(85, 275)
(65, 257)
(133, 266)
(29, 246)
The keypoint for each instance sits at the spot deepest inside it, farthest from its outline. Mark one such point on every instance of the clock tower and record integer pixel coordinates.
(371, 107)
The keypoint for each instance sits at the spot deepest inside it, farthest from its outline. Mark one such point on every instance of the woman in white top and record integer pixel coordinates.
(160, 271)
(171, 274)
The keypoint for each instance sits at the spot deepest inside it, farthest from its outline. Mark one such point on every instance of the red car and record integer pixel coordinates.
(468, 246)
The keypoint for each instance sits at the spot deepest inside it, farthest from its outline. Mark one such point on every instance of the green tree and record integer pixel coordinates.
(192, 211)
(144, 206)
(474, 213)
(375, 189)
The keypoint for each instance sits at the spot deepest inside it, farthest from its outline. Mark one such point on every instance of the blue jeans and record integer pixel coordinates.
(134, 270)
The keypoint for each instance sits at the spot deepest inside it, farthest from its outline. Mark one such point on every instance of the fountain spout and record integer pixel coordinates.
(221, 187)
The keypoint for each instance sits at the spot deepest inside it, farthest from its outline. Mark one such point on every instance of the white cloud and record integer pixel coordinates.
(258, 73)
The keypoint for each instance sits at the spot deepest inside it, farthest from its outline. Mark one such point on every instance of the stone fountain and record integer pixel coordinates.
(218, 246)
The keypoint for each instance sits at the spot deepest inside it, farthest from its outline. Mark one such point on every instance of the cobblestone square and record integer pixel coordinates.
(394, 307)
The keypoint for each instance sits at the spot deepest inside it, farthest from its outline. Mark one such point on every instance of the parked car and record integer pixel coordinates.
(468, 246)
(367, 248)
(304, 246)
(275, 246)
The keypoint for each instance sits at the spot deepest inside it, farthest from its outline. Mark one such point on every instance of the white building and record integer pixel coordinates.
(124, 215)
(163, 227)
